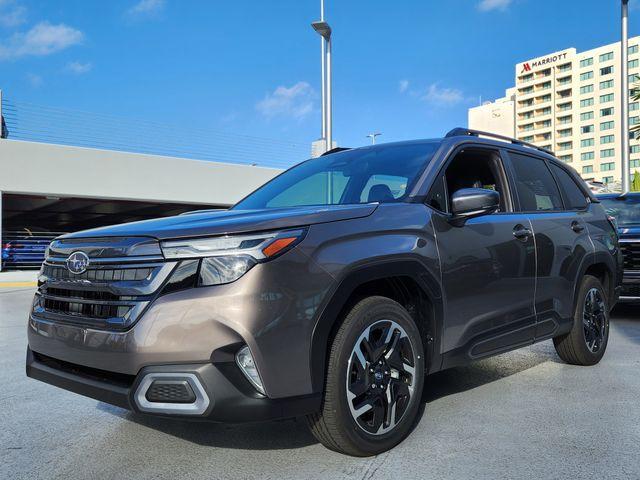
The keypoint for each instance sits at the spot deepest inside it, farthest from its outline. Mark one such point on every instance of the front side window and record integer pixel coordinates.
(384, 174)
(537, 190)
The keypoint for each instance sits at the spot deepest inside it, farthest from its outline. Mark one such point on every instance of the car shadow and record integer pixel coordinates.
(626, 320)
(294, 433)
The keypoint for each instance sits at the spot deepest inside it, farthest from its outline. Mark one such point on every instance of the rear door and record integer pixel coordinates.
(557, 214)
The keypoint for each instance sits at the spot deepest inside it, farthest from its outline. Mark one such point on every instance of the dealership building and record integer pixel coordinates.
(569, 102)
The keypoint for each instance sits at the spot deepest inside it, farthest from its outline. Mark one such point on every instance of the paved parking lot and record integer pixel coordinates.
(520, 415)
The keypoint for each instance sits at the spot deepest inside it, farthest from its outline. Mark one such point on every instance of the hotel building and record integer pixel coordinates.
(570, 103)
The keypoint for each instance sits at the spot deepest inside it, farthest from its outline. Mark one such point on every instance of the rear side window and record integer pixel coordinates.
(574, 198)
(537, 190)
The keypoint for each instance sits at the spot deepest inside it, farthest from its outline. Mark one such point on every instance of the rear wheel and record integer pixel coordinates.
(374, 381)
(587, 341)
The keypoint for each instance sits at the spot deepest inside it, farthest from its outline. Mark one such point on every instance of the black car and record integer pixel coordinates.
(626, 211)
(332, 291)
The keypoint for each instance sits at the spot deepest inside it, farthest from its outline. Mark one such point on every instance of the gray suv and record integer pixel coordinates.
(333, 290)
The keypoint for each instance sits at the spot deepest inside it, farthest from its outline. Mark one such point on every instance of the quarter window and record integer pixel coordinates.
(537, 190)
(573, 195)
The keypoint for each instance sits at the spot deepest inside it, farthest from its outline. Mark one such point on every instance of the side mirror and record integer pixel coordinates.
(469, 203)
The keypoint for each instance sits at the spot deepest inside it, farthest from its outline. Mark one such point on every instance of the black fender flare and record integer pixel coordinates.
(360, 274)
(597, 258)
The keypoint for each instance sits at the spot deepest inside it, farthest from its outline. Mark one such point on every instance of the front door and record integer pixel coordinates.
(487, 265)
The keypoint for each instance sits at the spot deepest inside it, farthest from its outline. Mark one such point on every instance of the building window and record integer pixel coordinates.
(633, 106)
(587, 102)
(545, 86)
(587, 169)
(606, 98)
(607, 179)
(526, 103)
(563, 120)
(586, 129)
(634, 120)
(565, 158)
(606, 125)
(633, 49)
(564, 106)
(587, 156)
(587, 142)
(586, 75)
(635, 148)
(564, 68)
(586, 62)
(633, 78)
(606, 84)
(565, 146)
(528, 127)
(528, 138)
(545, 124)
(606, 139)
(634, 163)
(565, 93)
(526, 115)
(545, 111)
(604, 112)
(526, 90)
(633, 63)
(544, 98)
(605, 57)
(586, 116)
(586, 89)
(565, 133)
(606, 167)
(606, 70)
(606, 153)
(526, 78)
(546, 136)
(564, 80)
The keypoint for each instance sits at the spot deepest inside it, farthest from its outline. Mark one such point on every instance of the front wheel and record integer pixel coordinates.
(587, 341)
(374, 380)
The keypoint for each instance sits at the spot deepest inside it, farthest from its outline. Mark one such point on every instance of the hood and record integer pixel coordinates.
(222, 222)
(629, 231)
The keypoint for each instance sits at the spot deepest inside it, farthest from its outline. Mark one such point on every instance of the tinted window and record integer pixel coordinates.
(535, 185)
(574, 198)
(381, 174)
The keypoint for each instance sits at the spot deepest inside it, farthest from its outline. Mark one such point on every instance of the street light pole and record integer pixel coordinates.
(373, 136)
(323, 78)
(625, 96)
(324, 30)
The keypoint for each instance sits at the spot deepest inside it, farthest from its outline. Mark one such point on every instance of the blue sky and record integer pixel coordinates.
(406, 68)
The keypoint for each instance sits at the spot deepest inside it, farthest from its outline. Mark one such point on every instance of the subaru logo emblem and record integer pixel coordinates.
(77, 262)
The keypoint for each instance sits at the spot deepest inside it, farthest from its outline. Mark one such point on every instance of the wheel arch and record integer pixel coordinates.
(602, 266)
(404, 280)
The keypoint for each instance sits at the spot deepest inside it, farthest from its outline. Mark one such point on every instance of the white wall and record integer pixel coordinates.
(45, 169)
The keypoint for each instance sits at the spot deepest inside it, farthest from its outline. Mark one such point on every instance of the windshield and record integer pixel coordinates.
(626, 210)
(381, 174)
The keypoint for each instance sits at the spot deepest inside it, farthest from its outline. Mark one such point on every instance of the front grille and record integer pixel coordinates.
(106, 296)
(631, 254)
(630, 290)
(101, 274)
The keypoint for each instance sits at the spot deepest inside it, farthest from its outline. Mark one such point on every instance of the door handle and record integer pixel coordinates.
(576, 227)
(521, 232)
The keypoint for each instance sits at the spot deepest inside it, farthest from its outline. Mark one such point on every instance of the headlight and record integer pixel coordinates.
(227, 258)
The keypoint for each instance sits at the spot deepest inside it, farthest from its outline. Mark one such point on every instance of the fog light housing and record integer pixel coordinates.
(247, 365)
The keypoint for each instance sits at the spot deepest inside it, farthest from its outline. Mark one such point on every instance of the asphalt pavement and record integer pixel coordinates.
(524, 414)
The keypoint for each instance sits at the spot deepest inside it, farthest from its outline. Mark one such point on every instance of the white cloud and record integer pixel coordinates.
(488, 5)
(12, 14)
(436, 95)
(79, 68)
(42, 39)
(403, 85)
(34, 80)
(295, 101)
(146, 8)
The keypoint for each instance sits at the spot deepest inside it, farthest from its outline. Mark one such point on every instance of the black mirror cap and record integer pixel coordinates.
(472, 202)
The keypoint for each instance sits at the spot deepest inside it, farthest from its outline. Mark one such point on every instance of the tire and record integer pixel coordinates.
(590, 326)
(398, 374)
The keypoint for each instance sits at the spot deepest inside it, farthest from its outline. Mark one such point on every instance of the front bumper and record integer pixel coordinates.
(231, 398)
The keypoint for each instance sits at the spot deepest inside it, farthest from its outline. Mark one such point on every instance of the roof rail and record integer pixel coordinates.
(335, 150)
(467, 132)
